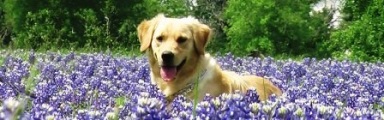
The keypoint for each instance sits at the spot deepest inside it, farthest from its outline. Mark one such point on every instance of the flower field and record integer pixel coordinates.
(103, 86)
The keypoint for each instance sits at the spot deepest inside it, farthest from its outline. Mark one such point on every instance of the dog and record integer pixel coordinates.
(179, 64)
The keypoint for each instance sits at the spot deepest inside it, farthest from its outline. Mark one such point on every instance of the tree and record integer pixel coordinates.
(362, 33)
(272, 27)
(5, 32)
(211, 13)
(50, 24)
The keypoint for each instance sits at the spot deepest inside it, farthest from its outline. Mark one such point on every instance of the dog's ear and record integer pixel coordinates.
(145, 31)
(202, 34)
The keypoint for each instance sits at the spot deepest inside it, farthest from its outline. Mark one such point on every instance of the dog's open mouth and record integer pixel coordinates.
(168, 73)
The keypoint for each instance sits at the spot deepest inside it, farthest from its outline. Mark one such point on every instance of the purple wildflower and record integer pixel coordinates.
(102, 86)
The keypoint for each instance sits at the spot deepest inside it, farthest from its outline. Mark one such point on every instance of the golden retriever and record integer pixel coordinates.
(175, 48)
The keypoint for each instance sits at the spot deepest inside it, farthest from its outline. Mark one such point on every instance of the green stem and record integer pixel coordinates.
(196, 92)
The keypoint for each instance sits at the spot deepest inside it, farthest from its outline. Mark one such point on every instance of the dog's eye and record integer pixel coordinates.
(159, 38)
(181, 39)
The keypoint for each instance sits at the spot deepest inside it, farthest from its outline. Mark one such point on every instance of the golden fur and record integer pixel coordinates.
(187, 38)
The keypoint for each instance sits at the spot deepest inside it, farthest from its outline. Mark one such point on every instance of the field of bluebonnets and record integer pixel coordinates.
(55, 85)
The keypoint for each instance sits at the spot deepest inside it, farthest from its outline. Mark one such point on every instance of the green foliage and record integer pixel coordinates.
(322, 24)
(245, 27)
(30, 82)
(13, 12)
(2, 23)
(354, 9)
(362, 38)
(97, 25)
(4, 30)
(174, 7)
(272, 27)
(211, 13)
(251, 27)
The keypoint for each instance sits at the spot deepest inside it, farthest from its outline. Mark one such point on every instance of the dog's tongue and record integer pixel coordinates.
(168, 73)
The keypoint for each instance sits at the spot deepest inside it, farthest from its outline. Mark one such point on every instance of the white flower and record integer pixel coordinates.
(110, 115)
(255, 107)
(11, 103)
(94, 113)
(298, 112)
(50, 117)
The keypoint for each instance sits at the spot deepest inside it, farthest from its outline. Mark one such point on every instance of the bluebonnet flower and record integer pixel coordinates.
(86, 86)
(149, 108)
(181, 108)
(207, 109)
(251, 96)
(32, 57)
(12, 108)
(234, 107)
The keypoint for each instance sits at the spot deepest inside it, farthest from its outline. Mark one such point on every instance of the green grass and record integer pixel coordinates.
(133, 51)
(1, 60)
(30, 82)
(120, 101)
(196, 94)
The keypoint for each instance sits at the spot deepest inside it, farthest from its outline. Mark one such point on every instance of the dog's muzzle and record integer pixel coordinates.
(168, 70)
(167, 57)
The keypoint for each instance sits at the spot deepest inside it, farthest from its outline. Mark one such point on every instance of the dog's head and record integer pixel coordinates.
(173, 44)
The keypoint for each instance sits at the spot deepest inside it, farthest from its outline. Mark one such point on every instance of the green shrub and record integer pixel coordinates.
(251, 27)
(272, 27)
(87, 24)
(211, 12)
(361, 38)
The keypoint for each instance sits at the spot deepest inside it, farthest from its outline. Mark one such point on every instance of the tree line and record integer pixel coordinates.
(248, 27)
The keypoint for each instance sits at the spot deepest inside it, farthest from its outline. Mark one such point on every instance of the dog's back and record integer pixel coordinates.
(264, 87)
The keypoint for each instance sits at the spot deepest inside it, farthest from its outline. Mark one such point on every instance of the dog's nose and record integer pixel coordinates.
(167, 56)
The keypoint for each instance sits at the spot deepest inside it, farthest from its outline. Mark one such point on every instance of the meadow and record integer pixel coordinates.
(74, 85)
